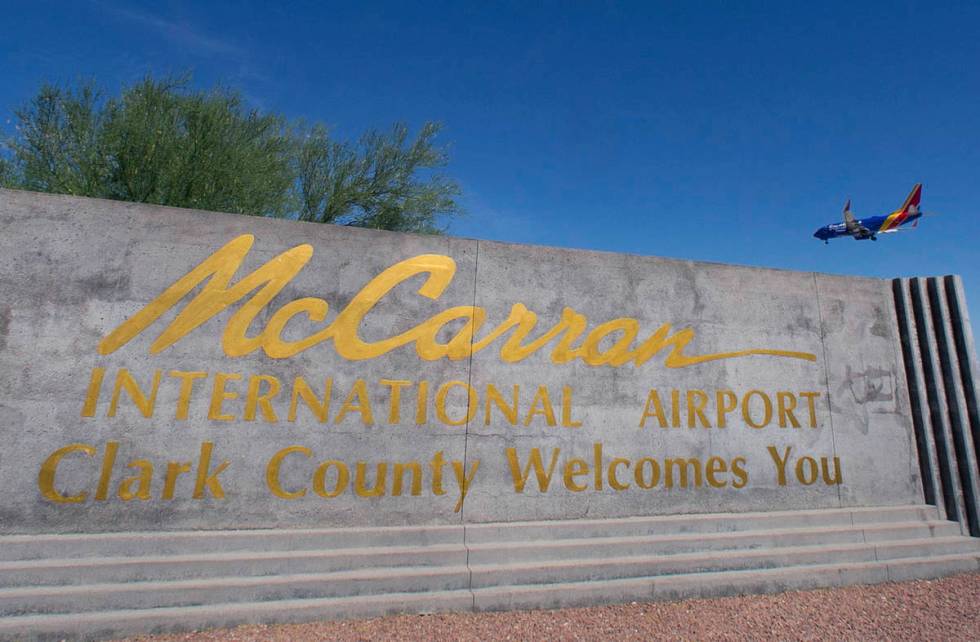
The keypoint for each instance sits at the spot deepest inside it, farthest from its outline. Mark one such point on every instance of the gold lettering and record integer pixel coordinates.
(715, 466)
(360, 482)
(214, 297)
(786, 403)
(145, 403)
(676, 358)
(541, 405)
(275, 347)
(566, 409)
(260, 287)
(272, 472)
(344, 328)
(811, 406)
(395, 400)
(399, 472)
(510, 412)
(422, 403)
(725, 408)
(174, 470)
(829, 479)
(264, 400)
(458, 347)
(143, 478)
(45, 478)
(619, 351)
(696, 401)
(653, 408)
(804, 477)
(436, 464)
(654, 473)
(472, 403)
(675, 408)
(520, 477)
(597, 460)
(613, 480)
(780, 463)
(362, 407)
(766, 405)
(205, 480)
(219, 396)
(186, 388)
(525, 320)
(320, 479)
(108, 461)
(94, 388)
(301, 389)
(738, 468)
(575, 467)
(463, 481)
(682, 466)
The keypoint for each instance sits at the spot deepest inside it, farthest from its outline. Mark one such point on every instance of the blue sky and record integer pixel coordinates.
(711, 131)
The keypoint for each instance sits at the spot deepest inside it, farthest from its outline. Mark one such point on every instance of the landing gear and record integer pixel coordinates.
(874, 238)
(826, 242)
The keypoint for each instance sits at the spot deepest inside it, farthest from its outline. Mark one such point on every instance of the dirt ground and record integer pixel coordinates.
(945, 609)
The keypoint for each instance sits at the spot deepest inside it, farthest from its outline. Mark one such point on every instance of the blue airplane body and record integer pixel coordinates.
(871, 227)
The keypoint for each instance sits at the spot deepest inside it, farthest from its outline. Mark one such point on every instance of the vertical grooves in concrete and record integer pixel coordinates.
(941, 371)
(962, 440)
(924, 444)
(936, 415)
(966, 355)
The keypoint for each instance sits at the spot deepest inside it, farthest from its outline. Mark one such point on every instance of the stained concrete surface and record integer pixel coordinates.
(72, 270)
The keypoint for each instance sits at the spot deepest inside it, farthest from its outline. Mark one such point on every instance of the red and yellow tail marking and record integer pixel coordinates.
(898, 217)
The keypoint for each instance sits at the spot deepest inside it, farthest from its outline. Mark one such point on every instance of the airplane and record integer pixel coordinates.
(870, 228)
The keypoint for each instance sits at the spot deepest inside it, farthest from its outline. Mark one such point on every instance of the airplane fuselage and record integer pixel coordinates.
(871, 227)
(874, 225)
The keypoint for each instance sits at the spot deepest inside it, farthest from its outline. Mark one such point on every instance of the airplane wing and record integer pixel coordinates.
(853, 227)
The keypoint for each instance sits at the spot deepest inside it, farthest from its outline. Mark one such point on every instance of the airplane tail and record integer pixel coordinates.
(847, 206)
(911, 205)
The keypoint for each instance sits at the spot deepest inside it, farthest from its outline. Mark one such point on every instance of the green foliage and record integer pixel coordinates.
(6, 173)
(159, 142)
(58, 149)
(204, 151)
(374, 184)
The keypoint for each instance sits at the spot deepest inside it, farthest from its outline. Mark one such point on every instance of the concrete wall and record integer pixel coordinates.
(72, 271)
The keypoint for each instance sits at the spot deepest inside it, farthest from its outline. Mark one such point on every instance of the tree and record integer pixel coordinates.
(374, 184)
(161, 142)
(6, 172)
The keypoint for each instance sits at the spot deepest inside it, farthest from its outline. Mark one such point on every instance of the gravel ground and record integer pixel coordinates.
(945, 609)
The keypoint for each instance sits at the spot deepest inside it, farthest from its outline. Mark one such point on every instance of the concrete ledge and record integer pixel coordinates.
(91, 597)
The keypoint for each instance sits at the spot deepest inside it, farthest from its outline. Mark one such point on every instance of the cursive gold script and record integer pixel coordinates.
(269, 279)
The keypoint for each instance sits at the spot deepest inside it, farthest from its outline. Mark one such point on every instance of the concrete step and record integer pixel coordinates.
(581, 548)
(484, 576)
(41, 546)
(113, 624)
(103, 624)
(718, 584)
(120, 595)
(157, 594)
(260, 564)
(694, 523)
(22, 547)
(87, 570)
